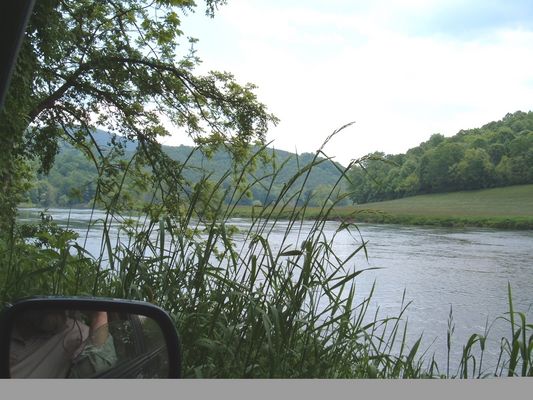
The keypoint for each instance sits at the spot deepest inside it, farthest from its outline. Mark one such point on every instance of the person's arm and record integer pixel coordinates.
(99, 352)
(99, 328)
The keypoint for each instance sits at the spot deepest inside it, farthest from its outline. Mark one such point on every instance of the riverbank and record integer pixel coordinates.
(500, 208)
(518, 223)
(376, 216)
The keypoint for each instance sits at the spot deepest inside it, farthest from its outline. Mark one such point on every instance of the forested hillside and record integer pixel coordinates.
(72, 179)
(497, 154)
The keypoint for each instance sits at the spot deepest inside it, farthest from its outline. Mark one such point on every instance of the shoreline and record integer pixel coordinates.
(357, 215)
(500, 223)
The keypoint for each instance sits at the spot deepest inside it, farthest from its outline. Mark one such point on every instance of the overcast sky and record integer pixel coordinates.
(401, 70)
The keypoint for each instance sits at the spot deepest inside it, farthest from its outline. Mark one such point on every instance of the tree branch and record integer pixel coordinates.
(49, 101)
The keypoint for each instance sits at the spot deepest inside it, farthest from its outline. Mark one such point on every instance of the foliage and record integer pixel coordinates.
(249, 310)
(45, 259)
(497, 154)
(72, 179)
(242, 311)
(121, 65)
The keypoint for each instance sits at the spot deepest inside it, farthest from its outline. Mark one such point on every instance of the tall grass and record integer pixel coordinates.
(249, 310)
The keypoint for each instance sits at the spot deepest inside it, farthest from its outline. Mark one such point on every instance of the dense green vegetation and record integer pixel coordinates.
(249, 310)
(72, 180)
(125, 66)
(242, 311)
(497, 154)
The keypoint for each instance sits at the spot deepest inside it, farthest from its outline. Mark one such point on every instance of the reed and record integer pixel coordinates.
(248, 310)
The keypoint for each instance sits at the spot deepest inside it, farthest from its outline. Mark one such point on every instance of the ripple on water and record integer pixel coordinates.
(466, 269)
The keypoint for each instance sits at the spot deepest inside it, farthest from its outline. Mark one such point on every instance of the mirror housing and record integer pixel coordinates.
(138, 314)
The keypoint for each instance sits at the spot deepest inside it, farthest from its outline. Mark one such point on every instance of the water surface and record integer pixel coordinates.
(467, 269)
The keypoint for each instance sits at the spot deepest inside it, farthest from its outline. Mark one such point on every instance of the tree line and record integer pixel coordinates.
(498, 154)
(72, 180)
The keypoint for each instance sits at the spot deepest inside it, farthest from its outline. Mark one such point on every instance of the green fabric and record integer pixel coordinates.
(94, 359)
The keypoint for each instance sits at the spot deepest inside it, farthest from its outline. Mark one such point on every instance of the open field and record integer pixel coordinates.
(511, 201)
(508, 208)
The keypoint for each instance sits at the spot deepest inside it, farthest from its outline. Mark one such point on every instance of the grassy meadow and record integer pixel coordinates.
(510, 201)
(505, 208)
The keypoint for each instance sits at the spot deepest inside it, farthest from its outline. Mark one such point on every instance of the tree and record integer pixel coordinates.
(496, 151)
(493, 155)
(409, 183)
(374, 178)
(115, 64)
(323, 194)
(435, 167)
(435, 140)
(503, 171)
(474, 171)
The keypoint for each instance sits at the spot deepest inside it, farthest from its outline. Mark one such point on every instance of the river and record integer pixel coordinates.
(467, 269)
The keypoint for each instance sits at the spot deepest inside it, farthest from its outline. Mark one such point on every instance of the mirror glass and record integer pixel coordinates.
(58, 343)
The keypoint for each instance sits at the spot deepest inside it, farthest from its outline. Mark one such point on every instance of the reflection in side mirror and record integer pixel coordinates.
(88, 338)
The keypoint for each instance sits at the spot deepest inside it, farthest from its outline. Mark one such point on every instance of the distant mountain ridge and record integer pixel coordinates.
(72, 171)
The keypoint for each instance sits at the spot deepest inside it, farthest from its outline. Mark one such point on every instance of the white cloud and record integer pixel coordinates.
(317, 69)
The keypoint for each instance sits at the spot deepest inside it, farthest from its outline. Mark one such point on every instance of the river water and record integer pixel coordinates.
(467, 269)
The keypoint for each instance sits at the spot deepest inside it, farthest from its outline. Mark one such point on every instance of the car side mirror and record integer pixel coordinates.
(78, 337)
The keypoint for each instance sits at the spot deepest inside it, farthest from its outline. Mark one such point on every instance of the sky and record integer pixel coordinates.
(401, 70)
